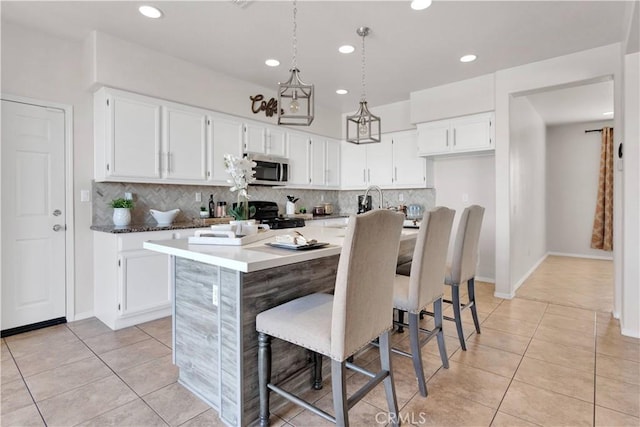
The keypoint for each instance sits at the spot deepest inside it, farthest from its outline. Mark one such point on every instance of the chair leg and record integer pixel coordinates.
(455, 299)
(339, 384)
(389, 388)
(416, 354)
(264, 376)
(437, 317)
(472, 300)
(317, 371)
(400, 320)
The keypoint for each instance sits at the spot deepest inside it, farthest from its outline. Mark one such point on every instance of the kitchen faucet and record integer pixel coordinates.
(366, 193)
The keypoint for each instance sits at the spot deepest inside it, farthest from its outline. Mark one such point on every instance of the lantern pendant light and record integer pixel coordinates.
(363, 127)
(295, 98)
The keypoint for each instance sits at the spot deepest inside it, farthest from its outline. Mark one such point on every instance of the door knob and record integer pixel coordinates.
(57, 212)
(58, 227)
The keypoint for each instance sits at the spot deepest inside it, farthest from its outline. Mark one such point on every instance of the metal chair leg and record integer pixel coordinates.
(472, 301)
(437, 317)
(389, 388)
(400, 320)
(264, 376)
(416, 354)
(455, 300)
(339, 383)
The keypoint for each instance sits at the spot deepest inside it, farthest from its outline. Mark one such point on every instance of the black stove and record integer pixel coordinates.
(267, 213)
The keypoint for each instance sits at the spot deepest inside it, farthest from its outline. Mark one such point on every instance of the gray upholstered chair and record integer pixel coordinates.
(425, 286)
(461, 268)
(339, 325)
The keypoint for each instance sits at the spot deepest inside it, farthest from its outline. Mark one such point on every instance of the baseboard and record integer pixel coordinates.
(485, 279)
(529, 273)
(628, 332)
(82, 316)
(605, 258)
(32, 327)
(504, 296)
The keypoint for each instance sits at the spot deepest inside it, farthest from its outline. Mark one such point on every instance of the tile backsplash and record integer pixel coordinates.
(164, 197)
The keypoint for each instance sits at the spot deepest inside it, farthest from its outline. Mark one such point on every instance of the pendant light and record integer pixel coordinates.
(295, 98)
(363, 127)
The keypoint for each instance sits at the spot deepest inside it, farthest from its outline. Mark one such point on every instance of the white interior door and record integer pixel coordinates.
(33, 208)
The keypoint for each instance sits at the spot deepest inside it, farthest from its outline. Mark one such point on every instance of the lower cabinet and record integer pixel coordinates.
(131, 284)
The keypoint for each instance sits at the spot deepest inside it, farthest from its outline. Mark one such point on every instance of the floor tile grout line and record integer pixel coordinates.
(33, 400)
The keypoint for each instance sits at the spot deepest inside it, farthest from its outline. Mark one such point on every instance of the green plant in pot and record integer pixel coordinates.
(121, 211)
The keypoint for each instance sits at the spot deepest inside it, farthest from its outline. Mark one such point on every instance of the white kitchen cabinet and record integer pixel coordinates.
(367, 164)
(185, 140)
(262, 139)
(459, 135)
(332, 164)
(127, 136)
(299, 160)
(409, 170)
(131, 285)
(325, 163)
(226, 138)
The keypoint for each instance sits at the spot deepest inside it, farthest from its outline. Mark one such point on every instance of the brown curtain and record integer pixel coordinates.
(602, 235)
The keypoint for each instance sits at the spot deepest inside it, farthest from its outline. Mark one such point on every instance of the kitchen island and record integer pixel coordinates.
(217, 293)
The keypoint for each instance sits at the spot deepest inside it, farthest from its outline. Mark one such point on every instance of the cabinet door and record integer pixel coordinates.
(185, 144)
(226, 139)
(276, 142)
(353, 168)
(254, 138)
(379, 167)
(433, 138)
(408, 167)
(299, 159)
(472, 133)
(318, 162)
(144, 281)
(332, 164)
(133, 134)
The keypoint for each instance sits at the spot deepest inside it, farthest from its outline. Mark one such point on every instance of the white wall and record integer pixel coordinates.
(46, 68)
(461, 98)
(630, 319)
(473, 176)
(573, 164)
(125, 65)
(527, 171)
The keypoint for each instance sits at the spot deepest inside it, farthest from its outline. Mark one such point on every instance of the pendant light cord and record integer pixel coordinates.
(363, 68)
(294, 65)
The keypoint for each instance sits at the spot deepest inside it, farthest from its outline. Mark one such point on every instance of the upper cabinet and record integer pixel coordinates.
(391, 163)
(466, 134)
(314, 162)
(185, 138)
(264, 139)
(226, 138)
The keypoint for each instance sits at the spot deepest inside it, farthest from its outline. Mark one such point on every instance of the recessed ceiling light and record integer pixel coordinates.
(608, 113)
(468, 58)
(347, 48)
(150, 12)
(342, 91)
(420, 4)
(272, 62)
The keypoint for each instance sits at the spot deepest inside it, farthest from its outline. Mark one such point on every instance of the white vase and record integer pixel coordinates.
(290, 208)
(121, 217)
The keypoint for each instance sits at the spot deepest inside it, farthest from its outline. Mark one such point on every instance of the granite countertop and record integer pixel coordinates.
(137, 228)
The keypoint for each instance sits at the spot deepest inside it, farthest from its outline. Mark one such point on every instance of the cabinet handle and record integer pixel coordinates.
(168, 162)
(364, 175)
(447, 138)
(454, 137)
(396, 174)
(369, 175)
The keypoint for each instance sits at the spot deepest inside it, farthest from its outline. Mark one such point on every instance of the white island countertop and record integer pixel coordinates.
(259, 256)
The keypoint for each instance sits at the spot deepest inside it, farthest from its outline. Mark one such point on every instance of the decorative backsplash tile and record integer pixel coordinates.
(164, 197)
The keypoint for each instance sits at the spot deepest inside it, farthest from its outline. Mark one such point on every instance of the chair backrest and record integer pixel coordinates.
(429, 264)
(363, 297)
(465, 251)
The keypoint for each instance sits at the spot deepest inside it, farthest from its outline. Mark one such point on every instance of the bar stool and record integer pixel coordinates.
(339, 325)
(462, 267)
(424, 286)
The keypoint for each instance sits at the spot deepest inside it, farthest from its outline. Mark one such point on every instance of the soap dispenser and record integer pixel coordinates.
(212, 207)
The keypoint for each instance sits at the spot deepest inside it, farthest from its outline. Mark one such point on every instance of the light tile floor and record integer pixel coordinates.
(536, 362)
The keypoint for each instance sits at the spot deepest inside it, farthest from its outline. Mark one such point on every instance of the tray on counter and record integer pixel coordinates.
(211, 237)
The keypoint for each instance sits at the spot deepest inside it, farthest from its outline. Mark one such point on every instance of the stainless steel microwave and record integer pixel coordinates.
(270, 170)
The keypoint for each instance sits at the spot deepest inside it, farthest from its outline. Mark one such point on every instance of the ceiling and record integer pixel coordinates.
(406, 51)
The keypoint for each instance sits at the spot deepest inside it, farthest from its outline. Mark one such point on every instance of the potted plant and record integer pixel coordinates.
(121, 211)
(204, 213)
